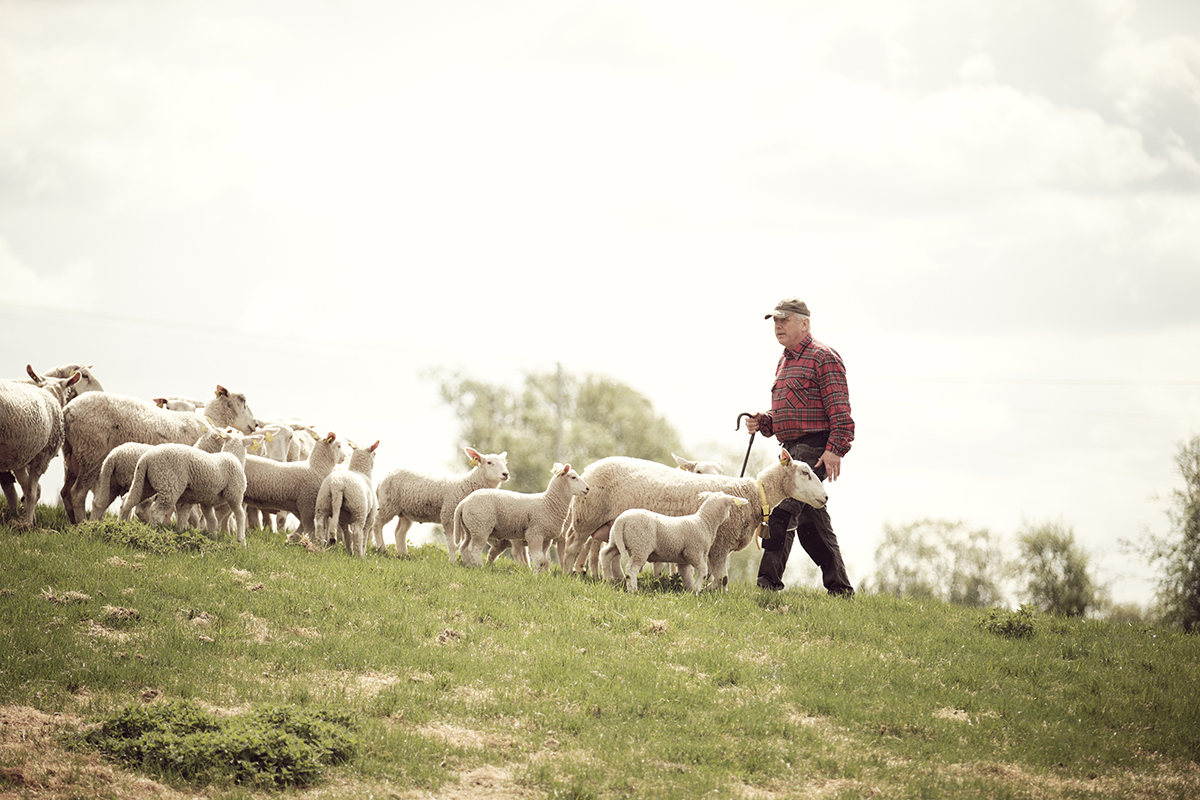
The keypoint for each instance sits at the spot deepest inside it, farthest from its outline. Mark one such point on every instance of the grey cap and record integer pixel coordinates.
(789, 306)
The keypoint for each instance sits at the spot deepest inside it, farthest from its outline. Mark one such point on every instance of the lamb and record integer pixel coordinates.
(498, 514)
(416, 497)
(590, 555)
(178, 403)
(647, 536)
(180, 473)
(347, 501)
(31, 432)
(292, 486)
(116, 476)
(277, 444)
(619, 483)
(97, 422)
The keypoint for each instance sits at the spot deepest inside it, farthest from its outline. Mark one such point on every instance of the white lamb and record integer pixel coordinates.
(619, 484)
(277, 444)
(116, 476)
(181, 474)
(184, 404)
(499, 515)
(589, 556)
(31, 432)
(417, 497)
(643, 536)
(97, 422)
(346, 502)
(292, 486)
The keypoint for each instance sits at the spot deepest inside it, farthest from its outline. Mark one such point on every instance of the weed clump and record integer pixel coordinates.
(270, 747)
(139, 536)
(1010, 624)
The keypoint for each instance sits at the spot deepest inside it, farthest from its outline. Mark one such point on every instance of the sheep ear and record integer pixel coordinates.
(741, 501)
(32, 374)
(372, 447)
(160, 401)
(221, 391)
(785, 457)
(353, 446)
(76, 377)
(473, 455)
(268, 436)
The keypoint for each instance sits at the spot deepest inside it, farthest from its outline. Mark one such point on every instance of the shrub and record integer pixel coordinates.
(278, 746)
(1010, 624)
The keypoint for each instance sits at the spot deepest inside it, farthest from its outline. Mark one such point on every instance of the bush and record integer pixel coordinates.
(281, 746)
(1010, 624)
(140, 536)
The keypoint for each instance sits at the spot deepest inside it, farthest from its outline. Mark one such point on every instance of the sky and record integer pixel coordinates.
(992, 209)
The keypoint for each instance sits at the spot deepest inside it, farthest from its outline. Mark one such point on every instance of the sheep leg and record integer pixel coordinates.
(635, 566)
(611, 556)
(535, 548)
(8, 481)
(718, 570)
(238, 511)
(402, 526)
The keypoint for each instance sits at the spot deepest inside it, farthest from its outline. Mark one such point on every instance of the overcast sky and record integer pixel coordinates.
(992, 209)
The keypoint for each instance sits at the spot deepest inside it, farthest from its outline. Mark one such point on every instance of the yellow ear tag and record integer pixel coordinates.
(268, 436)
(474, 462)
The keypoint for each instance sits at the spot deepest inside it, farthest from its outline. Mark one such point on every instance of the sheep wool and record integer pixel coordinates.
(292, 486)
(417, 497)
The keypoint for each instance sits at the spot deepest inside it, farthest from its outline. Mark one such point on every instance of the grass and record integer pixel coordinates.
(499, 682)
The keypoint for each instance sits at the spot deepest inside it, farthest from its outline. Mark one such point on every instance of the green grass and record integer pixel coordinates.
(564, 687)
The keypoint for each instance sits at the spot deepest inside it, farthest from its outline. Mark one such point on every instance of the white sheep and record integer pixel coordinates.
(535, 519)
(184, 404)
(417, 497)
(277, 445)
(590, 555)
(116, 476)
(31, 432)
(97, 422)
(619, 483)
(182, 474)
(85, 383)
(346, 502)
(643, 536)
(292, 486)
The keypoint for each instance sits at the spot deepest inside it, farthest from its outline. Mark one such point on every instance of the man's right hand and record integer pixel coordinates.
(752, 423)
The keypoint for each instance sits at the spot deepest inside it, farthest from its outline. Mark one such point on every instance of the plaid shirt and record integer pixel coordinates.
(810, 395)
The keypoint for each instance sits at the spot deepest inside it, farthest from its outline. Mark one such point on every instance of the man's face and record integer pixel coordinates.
(790, 331)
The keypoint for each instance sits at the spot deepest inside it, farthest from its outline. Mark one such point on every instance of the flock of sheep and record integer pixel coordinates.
(213, 463)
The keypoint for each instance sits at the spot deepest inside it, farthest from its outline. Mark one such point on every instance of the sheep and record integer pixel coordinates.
(277, 444)
(347, 501)
(116, 476)
(178, 403)
(31, 432)
(85, 383)
(416, 497)
(292, 486)
(590, 555)
(498, 515)
(648, 536)
(619, 483)
(97, 422)
(179, 473)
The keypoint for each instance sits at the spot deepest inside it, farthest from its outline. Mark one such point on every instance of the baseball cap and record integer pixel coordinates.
(789, 306)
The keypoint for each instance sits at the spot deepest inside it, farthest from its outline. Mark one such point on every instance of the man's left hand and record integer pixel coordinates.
(833, 464)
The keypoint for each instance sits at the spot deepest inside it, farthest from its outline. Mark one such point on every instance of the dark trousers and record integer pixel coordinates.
(812, 526)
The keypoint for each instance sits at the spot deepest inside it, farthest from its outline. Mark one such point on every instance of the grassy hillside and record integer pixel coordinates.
(496, 682)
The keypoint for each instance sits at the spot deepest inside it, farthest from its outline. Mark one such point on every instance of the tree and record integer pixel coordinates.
(1056, 570)
(1179, 552)
(939, 559)
(556, 417)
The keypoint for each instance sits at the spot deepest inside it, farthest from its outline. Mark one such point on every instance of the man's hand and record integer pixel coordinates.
(752, 423)
(833, 464)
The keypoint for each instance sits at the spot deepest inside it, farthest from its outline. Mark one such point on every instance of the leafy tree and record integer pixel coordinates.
(1056, 570)
(555, 416)
(939, 559)
(1179, 552)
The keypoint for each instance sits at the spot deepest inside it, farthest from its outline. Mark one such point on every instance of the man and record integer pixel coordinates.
(810, 416)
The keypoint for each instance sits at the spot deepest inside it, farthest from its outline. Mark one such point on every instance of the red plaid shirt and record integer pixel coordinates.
(810, 395)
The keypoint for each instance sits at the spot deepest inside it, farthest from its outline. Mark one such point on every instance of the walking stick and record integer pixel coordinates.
(749, 446)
